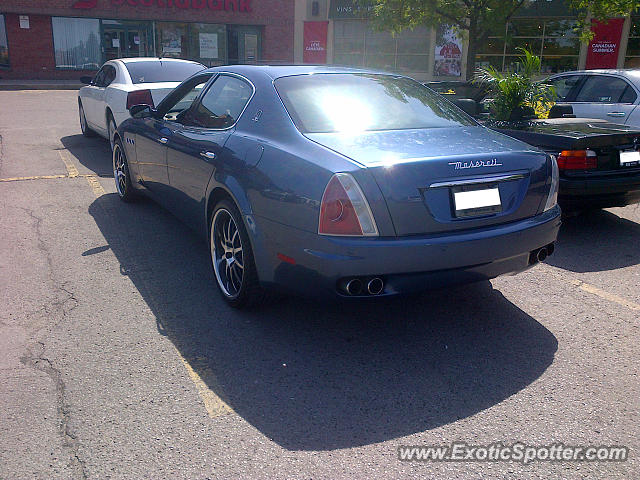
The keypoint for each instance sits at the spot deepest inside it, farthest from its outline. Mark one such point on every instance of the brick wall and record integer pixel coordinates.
(31, 50)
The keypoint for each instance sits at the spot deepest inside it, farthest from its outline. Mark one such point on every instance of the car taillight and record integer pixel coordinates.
(552, 198)
(344, 209)
(139, 97)
(577, 160)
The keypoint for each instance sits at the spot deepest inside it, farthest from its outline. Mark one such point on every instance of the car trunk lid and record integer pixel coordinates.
(159, 90)
(424, 173)
(615, 145)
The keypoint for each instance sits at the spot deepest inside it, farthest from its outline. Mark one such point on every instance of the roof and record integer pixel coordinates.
(151, 59)
(629, 72)
(277, 71)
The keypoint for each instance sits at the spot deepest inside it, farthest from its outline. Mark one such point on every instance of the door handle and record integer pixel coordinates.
(616, 114)
(163, 140)
(209, 155)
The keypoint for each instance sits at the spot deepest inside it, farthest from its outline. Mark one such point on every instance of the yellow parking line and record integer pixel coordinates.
(71, 168)
(606, 295)
(214, 405)
(37, 177)
(95, 186)
(45, 177)
(98, 191)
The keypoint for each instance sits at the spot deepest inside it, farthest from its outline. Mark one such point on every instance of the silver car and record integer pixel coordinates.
(611, 95)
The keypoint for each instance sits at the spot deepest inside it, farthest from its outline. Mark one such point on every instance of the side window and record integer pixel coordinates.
(629, 95)
(564, 85)
(109, 75)
(98, 80)
(222, 104)
(177, 107)
(602, 89)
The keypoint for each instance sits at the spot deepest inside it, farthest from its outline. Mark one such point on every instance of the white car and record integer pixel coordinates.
(103, 104)
(612, 95)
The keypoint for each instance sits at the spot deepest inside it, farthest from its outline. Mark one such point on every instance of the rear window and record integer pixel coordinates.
(159, 71)
(322, 103)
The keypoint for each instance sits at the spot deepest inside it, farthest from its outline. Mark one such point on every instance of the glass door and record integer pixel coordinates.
(113, 43)
(122, 39)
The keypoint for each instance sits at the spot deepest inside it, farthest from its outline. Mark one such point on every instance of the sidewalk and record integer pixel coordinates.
(6, 84)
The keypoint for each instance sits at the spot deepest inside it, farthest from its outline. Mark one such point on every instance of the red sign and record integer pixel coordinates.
(603, 49)
(315, 42)
(228, 5)
(85, 4)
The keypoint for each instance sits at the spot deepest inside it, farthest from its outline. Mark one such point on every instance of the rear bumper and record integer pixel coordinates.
(602, 192)
(406, 264)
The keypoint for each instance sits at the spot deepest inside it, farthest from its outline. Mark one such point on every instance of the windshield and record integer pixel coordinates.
(158, 71)
(323, 103)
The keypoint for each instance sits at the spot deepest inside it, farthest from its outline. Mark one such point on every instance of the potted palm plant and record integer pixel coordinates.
(517, 95)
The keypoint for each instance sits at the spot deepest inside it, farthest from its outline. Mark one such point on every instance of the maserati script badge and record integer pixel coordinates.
(475, 164)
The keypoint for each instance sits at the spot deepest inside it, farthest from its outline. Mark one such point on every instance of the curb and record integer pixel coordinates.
(6, 86)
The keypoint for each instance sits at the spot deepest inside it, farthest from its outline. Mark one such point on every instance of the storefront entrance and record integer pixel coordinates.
(122, 39)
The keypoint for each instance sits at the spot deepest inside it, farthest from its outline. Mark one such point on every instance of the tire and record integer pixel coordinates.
(121, 173)
(111, 129)
(86, 131)
(232, 257)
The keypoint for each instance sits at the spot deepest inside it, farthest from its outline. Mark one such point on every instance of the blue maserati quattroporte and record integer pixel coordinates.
(335, 181)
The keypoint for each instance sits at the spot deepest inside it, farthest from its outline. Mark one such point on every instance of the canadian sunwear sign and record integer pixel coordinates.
(603, 49)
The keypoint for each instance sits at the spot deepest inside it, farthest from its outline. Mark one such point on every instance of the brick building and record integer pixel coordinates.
(60, 39)
(42, 39)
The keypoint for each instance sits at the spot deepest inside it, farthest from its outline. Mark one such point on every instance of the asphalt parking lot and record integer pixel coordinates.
(118, 359)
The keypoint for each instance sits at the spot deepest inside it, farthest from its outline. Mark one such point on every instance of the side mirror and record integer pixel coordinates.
(467, 105)
(142, 111)
(86, 79)
(560, 110)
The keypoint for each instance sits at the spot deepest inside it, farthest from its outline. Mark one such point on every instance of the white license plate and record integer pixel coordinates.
(629, 158)
(476, 199)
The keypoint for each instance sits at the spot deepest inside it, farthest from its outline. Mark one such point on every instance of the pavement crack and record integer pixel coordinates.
(68, 302)
(1, 154)
(57, 310)
(39, 362)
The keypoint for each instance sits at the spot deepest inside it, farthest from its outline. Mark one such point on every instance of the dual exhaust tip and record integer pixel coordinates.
(541, 254)
(356, 286)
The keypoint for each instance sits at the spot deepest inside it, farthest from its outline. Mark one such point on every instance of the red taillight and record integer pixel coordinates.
(139, 97)
(577, 160)
(344, 209)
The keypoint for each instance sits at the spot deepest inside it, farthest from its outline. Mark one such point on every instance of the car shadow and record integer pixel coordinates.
(596, 241)
(323, 376)
(93, 153)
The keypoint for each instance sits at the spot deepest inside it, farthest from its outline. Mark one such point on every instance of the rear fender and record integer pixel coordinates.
(232, 189)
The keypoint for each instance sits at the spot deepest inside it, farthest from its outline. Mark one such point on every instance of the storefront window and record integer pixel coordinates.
(76, 43)
(203, 42)
(553, 40)
(4, 46)
(632, 57)
(356, 44)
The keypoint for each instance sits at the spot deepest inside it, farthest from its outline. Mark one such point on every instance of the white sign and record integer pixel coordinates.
(448, 53)
(208, 45)
(115, 42)
(24, 21)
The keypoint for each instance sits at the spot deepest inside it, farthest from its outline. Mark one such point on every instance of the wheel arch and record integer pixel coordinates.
(231, 190)
(237, 196)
